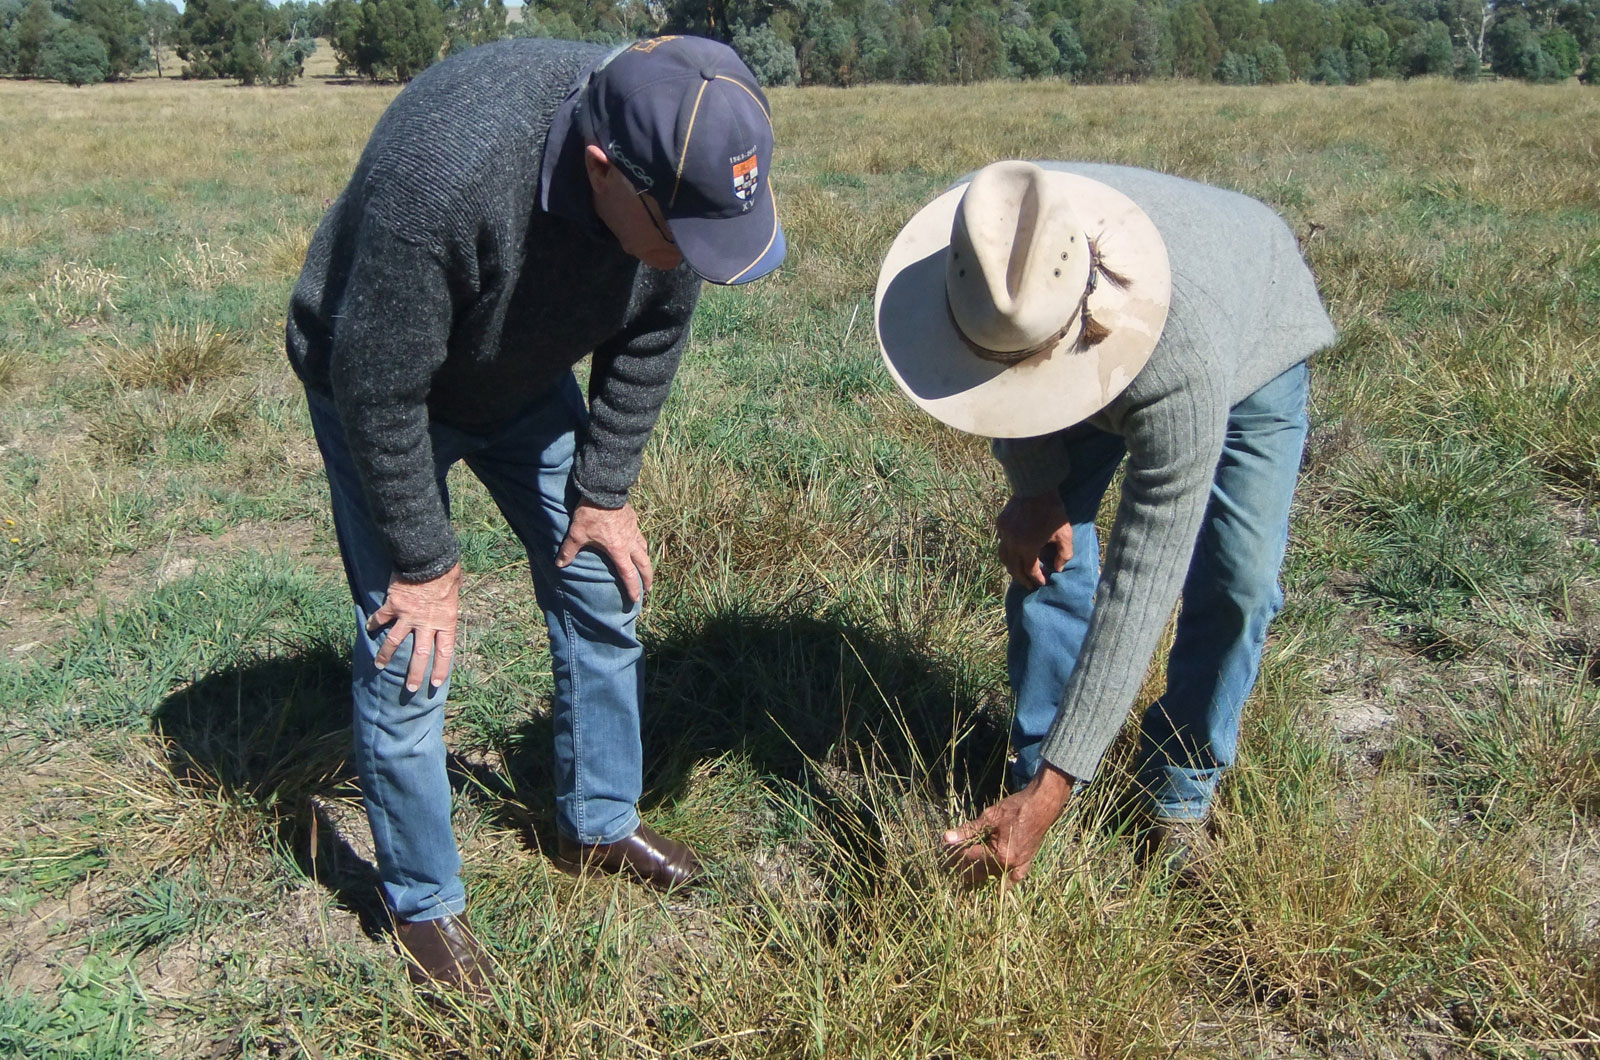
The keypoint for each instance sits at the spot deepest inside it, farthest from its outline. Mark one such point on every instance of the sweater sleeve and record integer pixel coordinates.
(390, 338)
(1033, 466)
(1174, 440)
(629, 381)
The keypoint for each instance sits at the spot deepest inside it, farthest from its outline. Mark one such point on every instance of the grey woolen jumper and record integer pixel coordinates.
(440, 288)
(1244, 310)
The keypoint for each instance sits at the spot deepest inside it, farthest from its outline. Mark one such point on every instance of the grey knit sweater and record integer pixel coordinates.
(456, 280)
(1244, 310)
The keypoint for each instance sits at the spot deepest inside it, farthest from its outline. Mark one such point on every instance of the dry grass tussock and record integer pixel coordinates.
(827, 685)
(284, 252)
(76, 293)
(176, 358)
(206, 267)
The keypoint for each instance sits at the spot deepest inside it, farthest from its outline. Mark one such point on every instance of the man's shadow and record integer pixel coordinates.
(802, 700)
(273, 735)
(796, 695)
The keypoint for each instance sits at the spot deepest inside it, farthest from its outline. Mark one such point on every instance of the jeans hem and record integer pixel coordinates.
(438, 912)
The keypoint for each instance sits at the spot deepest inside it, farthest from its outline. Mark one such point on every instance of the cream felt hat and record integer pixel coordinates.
(982, 300)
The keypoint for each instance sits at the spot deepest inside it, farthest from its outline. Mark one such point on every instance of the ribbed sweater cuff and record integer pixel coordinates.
(432, 570)
(1076, 750)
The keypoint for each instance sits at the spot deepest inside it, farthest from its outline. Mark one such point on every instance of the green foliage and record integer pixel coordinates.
(469, 23)
(1562, 48)
(1514, 50)
(768, 56)
(1371, 53)
(1196, 47)
(31, 30)
(249, 40)
(120, 26)
(1331, 68)
(387, 38)
(1272, 63)
(1427, 51)
(1237, 69)
(75, 56)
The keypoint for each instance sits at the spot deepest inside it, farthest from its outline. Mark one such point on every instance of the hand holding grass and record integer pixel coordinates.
(1031, 530)
(1004, 839)
(427, 609)
(614, 533)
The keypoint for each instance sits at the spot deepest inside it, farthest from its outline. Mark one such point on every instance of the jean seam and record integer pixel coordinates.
(579, 816)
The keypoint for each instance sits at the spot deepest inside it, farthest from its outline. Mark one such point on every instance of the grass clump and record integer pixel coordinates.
(76, 293)
(206, 267)
(176, 358)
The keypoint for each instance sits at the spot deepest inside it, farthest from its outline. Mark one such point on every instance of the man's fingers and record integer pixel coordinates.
(1062, 549)
(444, 652)
(570, 547)
(627, 575)
(391, 643)
(961, 835)
(421, 652)
(384, 615)
(647, 571)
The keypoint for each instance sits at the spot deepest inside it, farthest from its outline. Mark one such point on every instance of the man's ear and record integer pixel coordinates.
(597, 165)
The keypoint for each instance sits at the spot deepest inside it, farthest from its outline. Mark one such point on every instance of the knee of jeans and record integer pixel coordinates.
(387, 684)
(593, 593)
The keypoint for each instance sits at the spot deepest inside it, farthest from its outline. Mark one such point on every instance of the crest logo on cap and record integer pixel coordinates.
(745, 175)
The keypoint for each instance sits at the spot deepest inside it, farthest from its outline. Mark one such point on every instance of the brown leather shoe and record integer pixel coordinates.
(445, 953)
(647, 857)
(1179, 848)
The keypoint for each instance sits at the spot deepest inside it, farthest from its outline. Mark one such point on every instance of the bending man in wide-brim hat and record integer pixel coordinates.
(1078, 315)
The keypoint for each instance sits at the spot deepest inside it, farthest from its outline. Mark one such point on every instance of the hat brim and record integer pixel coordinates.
(732, 250)
(932, 363)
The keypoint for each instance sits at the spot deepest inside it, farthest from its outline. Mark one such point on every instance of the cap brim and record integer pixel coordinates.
(731, 250)
(932, 363)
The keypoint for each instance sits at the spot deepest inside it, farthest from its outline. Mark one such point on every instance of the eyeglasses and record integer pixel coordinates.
(659, 222)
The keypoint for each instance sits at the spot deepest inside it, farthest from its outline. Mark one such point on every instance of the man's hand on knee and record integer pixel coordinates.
(614, 533)
(426, 611)
(1032, 531)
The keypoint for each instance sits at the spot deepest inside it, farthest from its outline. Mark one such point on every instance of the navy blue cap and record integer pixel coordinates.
(684, 120)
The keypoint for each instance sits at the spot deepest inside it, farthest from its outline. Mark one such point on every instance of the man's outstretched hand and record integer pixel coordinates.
(614, 533)
(1004, 839)
(426, 611)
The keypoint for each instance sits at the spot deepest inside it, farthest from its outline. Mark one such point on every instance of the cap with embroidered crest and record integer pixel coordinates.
(684, 119)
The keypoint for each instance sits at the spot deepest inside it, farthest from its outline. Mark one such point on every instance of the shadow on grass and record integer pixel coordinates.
(803, 700)
(271, 735)
(797, 696)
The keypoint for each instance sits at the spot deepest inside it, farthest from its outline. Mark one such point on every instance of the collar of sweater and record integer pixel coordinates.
(563, 184)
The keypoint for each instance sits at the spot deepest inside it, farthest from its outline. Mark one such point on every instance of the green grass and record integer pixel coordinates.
(184, 871)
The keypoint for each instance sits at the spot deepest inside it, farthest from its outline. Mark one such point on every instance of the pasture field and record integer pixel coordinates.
(1411, 859)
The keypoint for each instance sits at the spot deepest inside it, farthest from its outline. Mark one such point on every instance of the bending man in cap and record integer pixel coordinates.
(518, 206)
(1081, 315)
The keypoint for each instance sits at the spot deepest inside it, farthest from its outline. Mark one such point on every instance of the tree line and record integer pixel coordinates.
(833, 42)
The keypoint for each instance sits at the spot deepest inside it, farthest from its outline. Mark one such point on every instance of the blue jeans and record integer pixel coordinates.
(1190, 734)
(596, 658)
